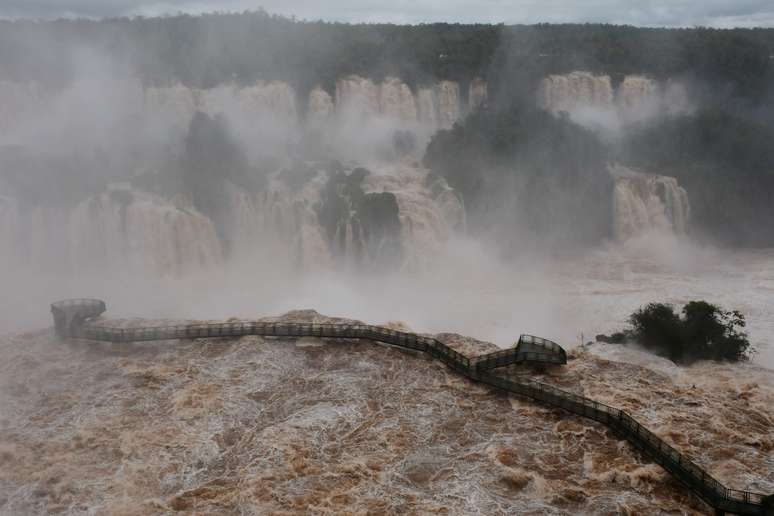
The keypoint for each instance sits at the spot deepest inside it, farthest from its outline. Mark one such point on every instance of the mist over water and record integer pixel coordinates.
(154, 253)
(466, 291)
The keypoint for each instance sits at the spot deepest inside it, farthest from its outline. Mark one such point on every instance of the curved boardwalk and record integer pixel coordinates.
(71, 316)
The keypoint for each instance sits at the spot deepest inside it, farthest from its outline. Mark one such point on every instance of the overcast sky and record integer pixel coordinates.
(670, 13)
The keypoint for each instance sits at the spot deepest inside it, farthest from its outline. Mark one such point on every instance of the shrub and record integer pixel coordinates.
(703, 332)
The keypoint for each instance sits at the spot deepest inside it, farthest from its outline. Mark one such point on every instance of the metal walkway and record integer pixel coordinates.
(71, 320)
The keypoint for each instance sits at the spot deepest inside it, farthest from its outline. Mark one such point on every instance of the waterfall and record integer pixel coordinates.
(638, 98)
(645, 203)
(448, 97)
(283, 222)
(275, 98)
(357, 95)
(169, 109)
(477, 94)
(263, 101)
(176, 103)
(426, 107)
(591, 100)
(279, 223)
(430, 212)
(127, 230)
(397, 100)
(575, 90)
(320, 105)
(392, 98)
(436, 107)
(121, 230)
(272, 100)
(636, 90)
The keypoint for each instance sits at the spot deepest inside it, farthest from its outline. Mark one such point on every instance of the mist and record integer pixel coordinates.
(197, 193)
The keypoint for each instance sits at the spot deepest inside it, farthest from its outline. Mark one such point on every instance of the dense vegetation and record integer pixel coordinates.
(704, 332)
(726, 163)
(524, 170)
(209, 49)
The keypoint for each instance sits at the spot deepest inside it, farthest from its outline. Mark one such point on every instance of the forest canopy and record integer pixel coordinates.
(201, 51)
(547, 175)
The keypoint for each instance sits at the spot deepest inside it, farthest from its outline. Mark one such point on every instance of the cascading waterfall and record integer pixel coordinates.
(273, 99)
(638, 93)
(125, 228)
(426, 107)
(285, 223)
(591, 99)
(279, 223)
(276, 98)
(138, 232)
(320, 105)
(433, 106)
(357, 95)
(477, 94)
(397, 101)
(122, 230)
(448, 97)
(575, 90)
(430, 213)
(644, 203)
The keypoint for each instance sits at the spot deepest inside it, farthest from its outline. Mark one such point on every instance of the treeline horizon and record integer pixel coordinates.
(204, 50)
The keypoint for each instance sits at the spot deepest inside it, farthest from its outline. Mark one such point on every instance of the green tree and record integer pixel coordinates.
(704, 332)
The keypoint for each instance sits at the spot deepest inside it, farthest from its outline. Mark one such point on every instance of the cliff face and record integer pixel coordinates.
(297, 426)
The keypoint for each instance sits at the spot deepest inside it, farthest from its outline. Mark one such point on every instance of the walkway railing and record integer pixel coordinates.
(71, 317)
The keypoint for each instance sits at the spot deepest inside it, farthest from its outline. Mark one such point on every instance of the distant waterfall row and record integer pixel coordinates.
(585, 96)
(436, 106)
(591, 99)
(433, 106)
